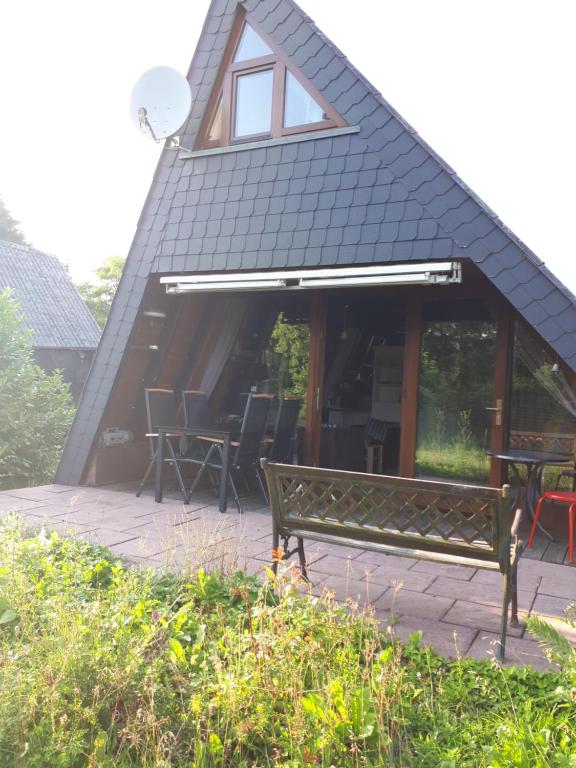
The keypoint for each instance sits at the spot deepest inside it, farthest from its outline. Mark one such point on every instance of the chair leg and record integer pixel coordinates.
(261, 486)
(535, 522)
(203, 467)
(504, 625)
(235, 492)
(571, 525)
(143, 483)
(179, 478)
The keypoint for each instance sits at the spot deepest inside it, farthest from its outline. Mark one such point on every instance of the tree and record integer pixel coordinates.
(9, 227)
(35, 407)
(98, 297)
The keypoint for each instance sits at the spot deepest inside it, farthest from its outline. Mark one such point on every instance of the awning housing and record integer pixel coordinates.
(426, 273)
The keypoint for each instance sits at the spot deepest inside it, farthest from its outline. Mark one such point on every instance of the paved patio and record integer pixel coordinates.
(456, 608)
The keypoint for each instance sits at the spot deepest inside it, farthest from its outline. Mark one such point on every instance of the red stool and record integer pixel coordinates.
(566, 497)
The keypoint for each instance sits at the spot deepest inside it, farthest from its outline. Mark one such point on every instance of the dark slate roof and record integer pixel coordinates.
(51, 306)
(381, 194)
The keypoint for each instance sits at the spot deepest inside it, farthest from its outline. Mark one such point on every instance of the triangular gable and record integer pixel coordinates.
(259, 93)
(375, 194)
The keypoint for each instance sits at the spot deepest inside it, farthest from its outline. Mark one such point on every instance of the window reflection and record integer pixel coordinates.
(300, 108)
(254, 103)
(456, 383)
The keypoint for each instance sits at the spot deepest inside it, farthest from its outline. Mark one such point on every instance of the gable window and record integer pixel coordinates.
(259, 95)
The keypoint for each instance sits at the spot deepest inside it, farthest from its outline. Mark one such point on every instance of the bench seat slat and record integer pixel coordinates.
(393, 549)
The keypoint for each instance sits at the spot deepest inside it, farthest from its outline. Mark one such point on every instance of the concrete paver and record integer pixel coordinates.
(404, 602)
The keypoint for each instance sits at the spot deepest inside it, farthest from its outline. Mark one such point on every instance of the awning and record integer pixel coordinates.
(423, 273)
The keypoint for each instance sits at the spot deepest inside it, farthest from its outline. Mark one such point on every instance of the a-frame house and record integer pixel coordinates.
(304, 200)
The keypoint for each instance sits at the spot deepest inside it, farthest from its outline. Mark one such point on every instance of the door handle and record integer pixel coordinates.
(498, 409)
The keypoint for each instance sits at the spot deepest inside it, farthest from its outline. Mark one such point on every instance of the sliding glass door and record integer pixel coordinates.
(455, 407)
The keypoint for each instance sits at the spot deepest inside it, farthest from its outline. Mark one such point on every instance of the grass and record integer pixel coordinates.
(453, 460)
(106, 666)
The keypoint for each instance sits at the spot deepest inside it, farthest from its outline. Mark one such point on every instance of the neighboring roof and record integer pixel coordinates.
(51, 306)
(380, 194)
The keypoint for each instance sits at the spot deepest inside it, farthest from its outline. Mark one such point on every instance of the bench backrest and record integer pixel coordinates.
(463, 521)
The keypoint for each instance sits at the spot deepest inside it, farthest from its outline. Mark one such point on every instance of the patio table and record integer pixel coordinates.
(192, 431)
(530, 489)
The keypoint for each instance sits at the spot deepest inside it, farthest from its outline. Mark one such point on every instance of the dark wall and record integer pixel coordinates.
(74, 364)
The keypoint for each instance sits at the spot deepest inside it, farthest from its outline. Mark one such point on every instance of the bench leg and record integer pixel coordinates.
(505, 602)
(275, 549)
(514, 595)
(302, 559)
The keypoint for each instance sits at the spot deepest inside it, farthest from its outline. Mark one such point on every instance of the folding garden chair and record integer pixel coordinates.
(161, 412)
(282, 444)
(246, 450)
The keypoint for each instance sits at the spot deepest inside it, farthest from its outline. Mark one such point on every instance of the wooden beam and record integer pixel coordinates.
(409, 409)
(316, 357)
(500, 426)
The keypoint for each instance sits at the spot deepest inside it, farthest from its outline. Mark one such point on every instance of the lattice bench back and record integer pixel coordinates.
(457, 522)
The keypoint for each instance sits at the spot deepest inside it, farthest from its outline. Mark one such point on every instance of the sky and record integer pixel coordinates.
(488, 83)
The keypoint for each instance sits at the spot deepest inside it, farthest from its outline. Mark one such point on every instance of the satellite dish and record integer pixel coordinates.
(160, 103)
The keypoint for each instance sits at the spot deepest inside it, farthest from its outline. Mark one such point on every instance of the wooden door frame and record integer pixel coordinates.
(316, 359)
(411, 372)
(502, 390)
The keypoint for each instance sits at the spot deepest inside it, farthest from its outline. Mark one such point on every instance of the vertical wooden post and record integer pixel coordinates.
(315, 378)
(502, 390)
(409, 409)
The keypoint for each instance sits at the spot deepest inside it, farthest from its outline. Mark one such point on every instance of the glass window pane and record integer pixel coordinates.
(299, 107)
(253, 103)
(215, 132)
(456, 382)
(251, 46)
(543, 412)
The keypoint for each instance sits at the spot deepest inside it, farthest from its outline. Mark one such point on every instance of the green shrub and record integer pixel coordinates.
(105, 666)
(35, 408)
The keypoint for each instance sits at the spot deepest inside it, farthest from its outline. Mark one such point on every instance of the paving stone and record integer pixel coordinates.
(59, 511)
(140, 547)
(342, 566)
(28, 494)
(404, 602)
(527, 581)
(475, 592)
(486, 617)
(546, 605)
(562, 586)
(361, 591)
(519, 651)
(445, 569)
(107, 537)
(447, 639)
(255, 549)
(380, 559)
(393, 575)
(542, 568)
(335, 550)
(68, 528)
(11, 504)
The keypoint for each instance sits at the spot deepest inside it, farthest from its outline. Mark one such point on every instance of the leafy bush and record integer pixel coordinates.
(106, 666)
(35, 408)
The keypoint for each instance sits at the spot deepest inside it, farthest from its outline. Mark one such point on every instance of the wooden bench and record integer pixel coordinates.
(443, 522)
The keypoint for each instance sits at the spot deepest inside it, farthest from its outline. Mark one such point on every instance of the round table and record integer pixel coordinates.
(534, 461)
